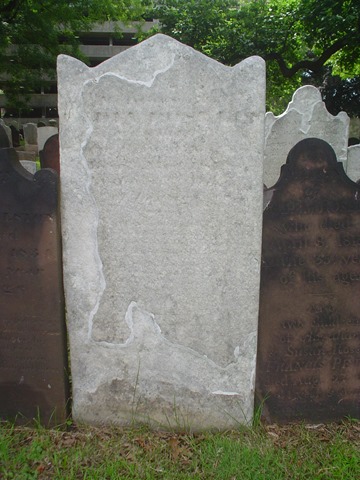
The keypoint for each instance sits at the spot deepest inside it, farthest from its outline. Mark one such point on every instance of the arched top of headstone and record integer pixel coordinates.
(303, 97)
(30, 133)
(44, 133)
(310, 180)
(312, 154)
(311, 157)
(50, 155)
(16, 181)
(154, 55)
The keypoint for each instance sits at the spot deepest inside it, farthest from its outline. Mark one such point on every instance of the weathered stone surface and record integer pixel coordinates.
(30, 133)
(161, 167)
(43, 133)
(33, 380)
(305, 117)
(50, 154)
(309, 323)
(353, 163)
(29, 165)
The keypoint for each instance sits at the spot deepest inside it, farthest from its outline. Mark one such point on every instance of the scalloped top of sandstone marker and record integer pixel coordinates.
(157, 52)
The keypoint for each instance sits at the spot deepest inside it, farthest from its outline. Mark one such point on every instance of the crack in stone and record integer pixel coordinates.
(148, 84)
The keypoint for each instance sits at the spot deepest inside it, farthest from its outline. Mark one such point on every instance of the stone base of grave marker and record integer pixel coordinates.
(26, 155)
(33, 359)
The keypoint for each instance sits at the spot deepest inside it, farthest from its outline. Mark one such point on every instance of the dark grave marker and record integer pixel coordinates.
(33, 366)
(4, 140)
(50, 154)
(308, 365)
(15, 134)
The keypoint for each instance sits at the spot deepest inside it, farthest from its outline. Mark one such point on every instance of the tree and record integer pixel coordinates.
(302, 41)
(34, 32)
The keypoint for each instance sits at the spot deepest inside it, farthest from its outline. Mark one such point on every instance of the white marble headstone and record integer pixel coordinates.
(161, 175)
(306, 116)
(43, 133)
(30, 133)
(353, 163)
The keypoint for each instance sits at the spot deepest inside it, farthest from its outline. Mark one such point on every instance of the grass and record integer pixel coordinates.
(295, 452)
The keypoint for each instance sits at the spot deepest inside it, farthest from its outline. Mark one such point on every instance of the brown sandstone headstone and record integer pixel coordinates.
(50, 155)
(309, 326)
(33, 366)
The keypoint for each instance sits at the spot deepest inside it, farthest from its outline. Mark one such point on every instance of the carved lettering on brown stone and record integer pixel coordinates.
(33, 366)
(308, 364)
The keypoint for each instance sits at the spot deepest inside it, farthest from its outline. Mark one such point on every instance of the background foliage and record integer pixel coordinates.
(34, 32)
(302, 41)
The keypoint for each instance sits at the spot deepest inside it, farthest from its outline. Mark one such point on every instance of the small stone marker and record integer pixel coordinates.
(50, 154)
(308, 364)
(43, 134)
(33, 382)
(161, 205)
(30, 133)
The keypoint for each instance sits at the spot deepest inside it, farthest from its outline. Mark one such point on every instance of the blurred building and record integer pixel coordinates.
(98, 45)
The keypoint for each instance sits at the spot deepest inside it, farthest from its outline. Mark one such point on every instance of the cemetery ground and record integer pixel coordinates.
(294, 451)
